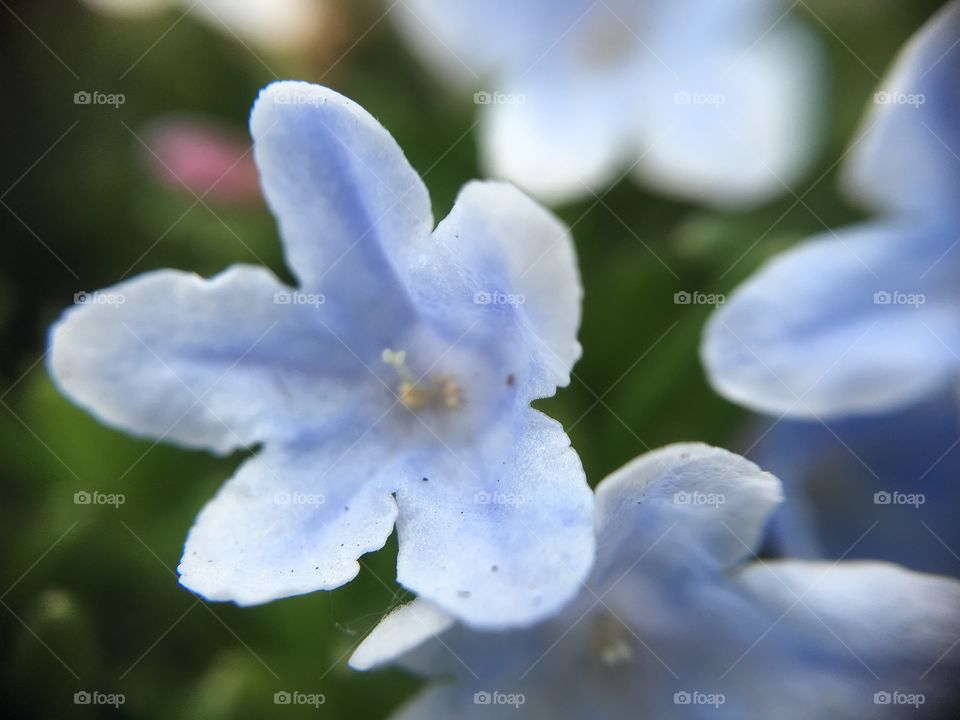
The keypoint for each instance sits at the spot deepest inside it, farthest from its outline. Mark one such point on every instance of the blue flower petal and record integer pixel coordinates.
(877, 628)
(500, 533)
(811, 333)
(503, 267)
(712, 502)
(907, 156)
(880, 487)
(217, 364)
(346, 200)
(293, 519)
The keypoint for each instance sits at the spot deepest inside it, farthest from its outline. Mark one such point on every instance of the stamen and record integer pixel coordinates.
(611, 645)
(417, 394)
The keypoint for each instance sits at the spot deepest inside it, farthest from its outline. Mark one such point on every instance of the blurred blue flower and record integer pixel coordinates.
(866, 319)
(714, 102)
(392, 385)
(881, 487)
(673, 625)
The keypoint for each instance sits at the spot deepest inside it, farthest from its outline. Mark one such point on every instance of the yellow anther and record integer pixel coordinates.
(413, 396)
(417, 393)
(611, 645)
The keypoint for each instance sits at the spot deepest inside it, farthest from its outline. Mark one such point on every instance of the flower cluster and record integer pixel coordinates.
(390, 387)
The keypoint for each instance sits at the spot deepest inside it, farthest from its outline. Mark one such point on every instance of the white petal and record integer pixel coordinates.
(564, 137)
(731, 113)
(402, 630)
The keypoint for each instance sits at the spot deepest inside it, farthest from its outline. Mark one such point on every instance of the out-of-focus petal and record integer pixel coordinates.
(710, 503)
(558, 132)
(471, 39)
(894, 629)
(731, 112)
(880, 487)
(277, 25)
(908, 158)
(855, 323)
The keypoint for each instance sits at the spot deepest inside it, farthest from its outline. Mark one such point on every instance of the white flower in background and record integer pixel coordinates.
(678, 620)
(276, 25)
(709, 101)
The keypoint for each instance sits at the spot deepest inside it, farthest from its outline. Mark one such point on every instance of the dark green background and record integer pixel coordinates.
(91, 591)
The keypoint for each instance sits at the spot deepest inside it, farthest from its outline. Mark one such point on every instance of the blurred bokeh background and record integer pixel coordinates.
(89, 594)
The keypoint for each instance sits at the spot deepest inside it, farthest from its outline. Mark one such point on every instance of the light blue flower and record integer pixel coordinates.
(391, 386)
(674, 624)
(713, 102)
(865, 319)
(882, 487)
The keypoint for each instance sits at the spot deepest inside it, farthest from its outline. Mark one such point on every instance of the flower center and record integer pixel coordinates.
(417, 393)
(611, 643)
